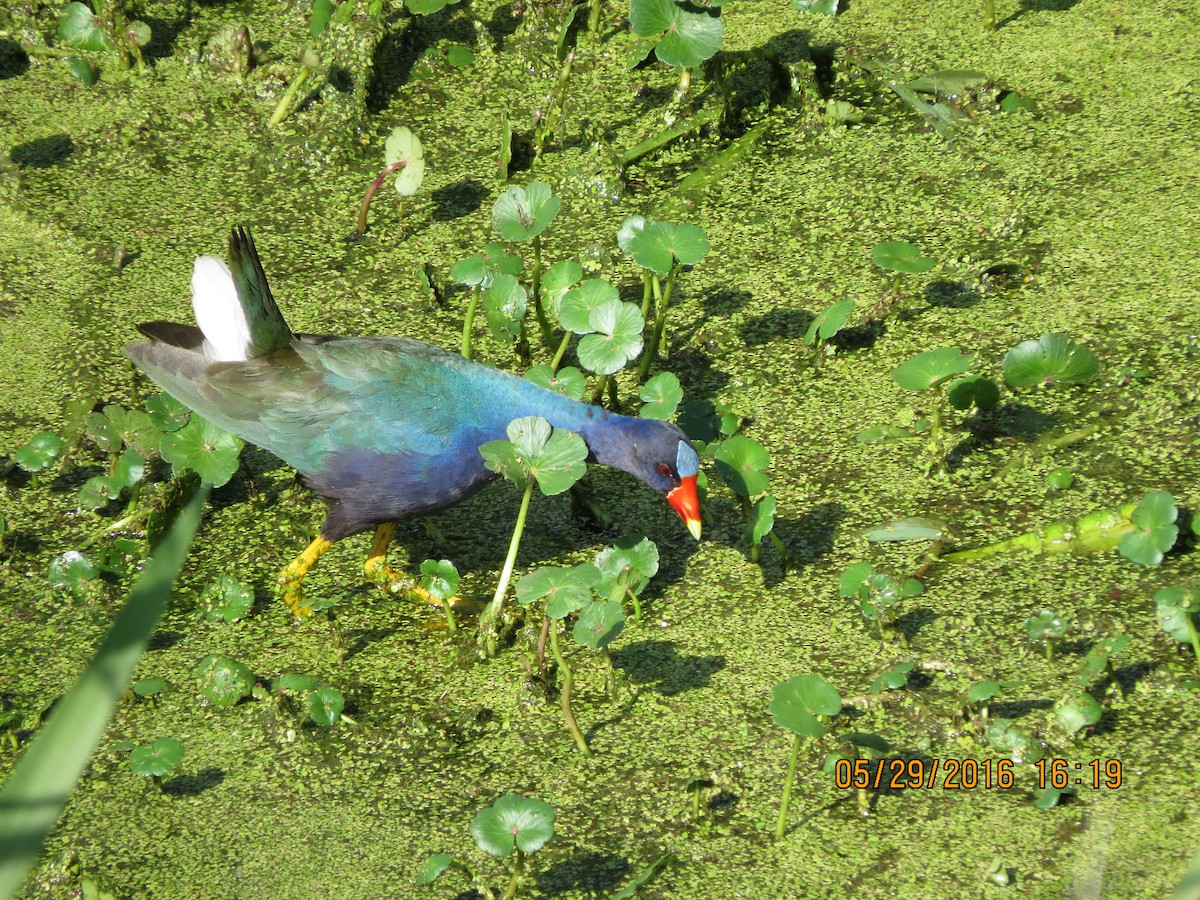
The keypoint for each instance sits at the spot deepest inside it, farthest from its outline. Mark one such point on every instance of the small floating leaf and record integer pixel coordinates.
(325, 705)
(83, 69)
(73, 572)
(157, 759)
(513, 822)
(224, 681)
(151, 687)
(661, 396)
(948, 82)
(1013, 101)
(1060, 479)
(521, 213)
(460, 56)
(1077, 712)
(893, 678)
(434, 867)
(931, 367)
(1049, 359)
(39, 453)
(901, 256)
(742, 462)
(819, 7)
(829, 322)
(440, 578)
(973, 390)
(404, 146)
(1157, 532)
(796, 703)
(226, 599)
(913, 528)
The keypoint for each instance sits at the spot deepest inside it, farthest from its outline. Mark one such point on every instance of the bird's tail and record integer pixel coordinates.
(233, 304)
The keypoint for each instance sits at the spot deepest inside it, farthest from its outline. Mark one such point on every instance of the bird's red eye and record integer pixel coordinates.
(664, 470)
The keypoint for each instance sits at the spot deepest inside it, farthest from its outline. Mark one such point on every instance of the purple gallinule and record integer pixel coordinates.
(381, 428)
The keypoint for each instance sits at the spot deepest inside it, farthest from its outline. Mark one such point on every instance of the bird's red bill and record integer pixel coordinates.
(687, 503)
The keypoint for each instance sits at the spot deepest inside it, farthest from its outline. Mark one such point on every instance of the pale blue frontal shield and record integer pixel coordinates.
(687, 463)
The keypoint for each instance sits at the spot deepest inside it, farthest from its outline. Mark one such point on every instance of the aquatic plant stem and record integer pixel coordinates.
(685, 83)
(543, 322)
(366, 200)
(598, 393)
(650, 289)
(936, 443)
(285, 102)
(554, 107)
(465, 347)
(781, 822)
(1097, 531)
(562, 350)
(488, 621)
(564, 695)
(660, 323)
(1195, 636)
(518, 871)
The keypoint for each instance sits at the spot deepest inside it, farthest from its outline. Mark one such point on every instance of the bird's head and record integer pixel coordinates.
(664, 459)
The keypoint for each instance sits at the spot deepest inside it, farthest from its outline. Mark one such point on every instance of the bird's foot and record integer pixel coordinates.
(290, 583)
(378, 572)
(290, 587)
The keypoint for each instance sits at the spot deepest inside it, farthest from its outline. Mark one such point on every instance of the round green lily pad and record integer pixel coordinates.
(157, 759)
(513, 821)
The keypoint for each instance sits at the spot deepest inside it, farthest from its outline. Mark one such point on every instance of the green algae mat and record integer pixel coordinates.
(873, 185)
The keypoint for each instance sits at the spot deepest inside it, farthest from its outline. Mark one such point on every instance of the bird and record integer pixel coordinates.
(381, 428)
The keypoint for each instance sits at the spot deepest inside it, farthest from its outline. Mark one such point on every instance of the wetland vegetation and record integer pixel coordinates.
(918, 281)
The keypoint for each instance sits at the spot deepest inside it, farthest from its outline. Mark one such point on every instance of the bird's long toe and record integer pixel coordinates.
(390, 581)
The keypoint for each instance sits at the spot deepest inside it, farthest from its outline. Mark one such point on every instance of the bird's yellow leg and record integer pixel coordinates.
(379, 572)
(291, 580)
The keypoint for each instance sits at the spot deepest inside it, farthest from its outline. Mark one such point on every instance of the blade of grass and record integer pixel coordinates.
(37, 790)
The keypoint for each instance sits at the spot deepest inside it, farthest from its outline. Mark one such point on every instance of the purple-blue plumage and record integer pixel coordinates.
(382, 428)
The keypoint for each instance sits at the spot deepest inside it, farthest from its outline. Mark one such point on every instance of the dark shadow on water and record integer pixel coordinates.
(14, 61)
(360, 639)
(951, 294)
(163, 35)
(454, 201)
(1028, 6)
(657, 664)
(162, 639)
(43, 153)
(908, 624)
(1012, 421)
(191, 785)
(1016, 709)
(781, 322)
(598, 874)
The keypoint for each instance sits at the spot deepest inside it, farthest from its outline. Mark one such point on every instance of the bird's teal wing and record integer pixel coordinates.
(323, 396)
